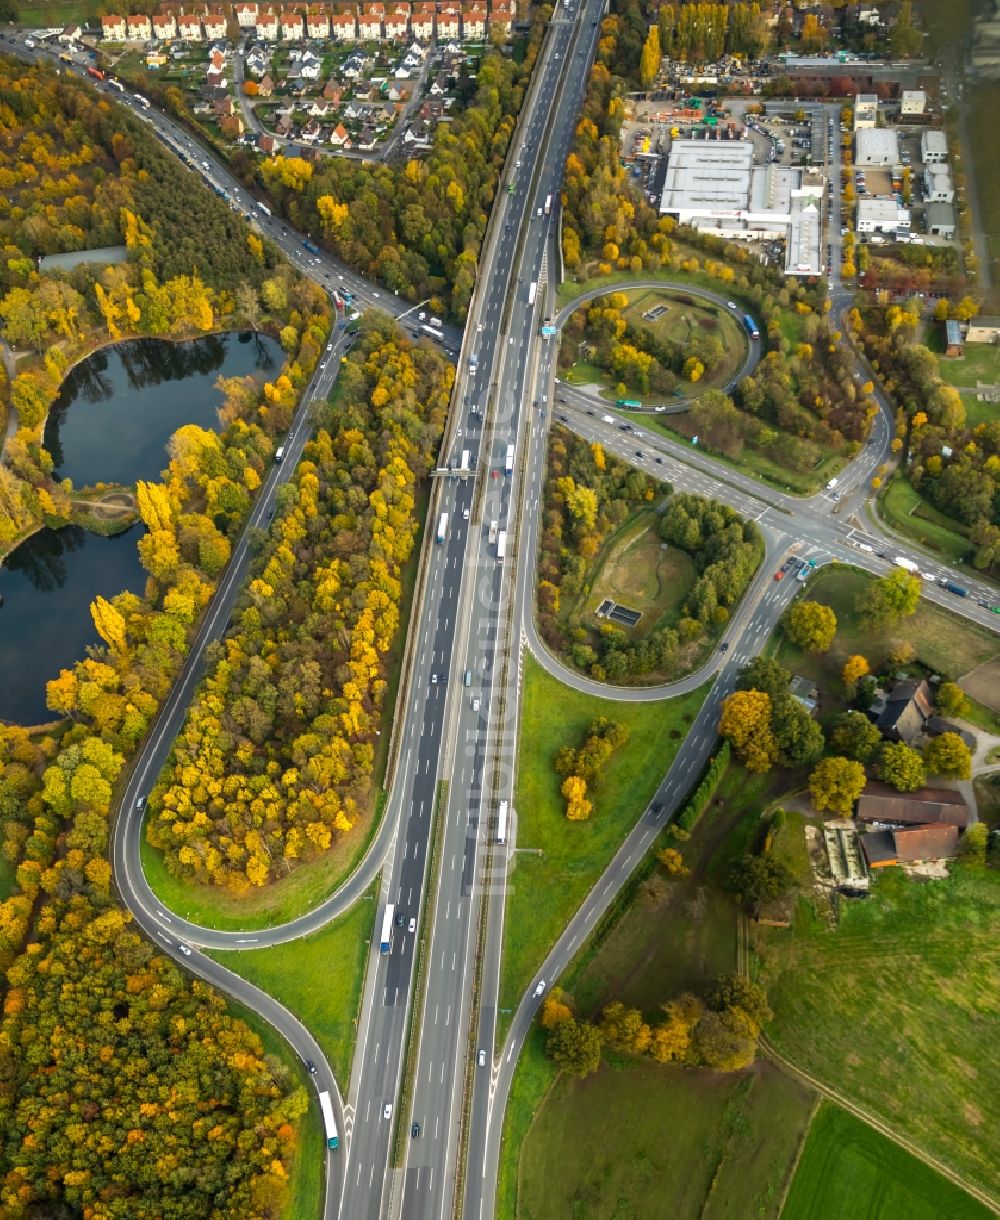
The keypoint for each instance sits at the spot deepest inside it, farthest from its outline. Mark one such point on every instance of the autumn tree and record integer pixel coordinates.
(756, 879)
(811, 625)
(947, 754)
(575, 1046)
(855, 736)
(746, 723)
(555, 1009)
(951, 700)
(855, 668)
(901, 766)
(890, 598)
(836, 783)
(624, 1029)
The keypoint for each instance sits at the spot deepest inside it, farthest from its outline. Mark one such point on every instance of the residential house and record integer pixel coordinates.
(883, 806)
(246, 14)
(865, 111)
(501, 22)
(113, 28)
(415, 52)
(320, 108)
(344, 26)
(318, 23)
(333, 92)
(418, 134)
(339, 137)
(267, 26)
(474, 23)
(310, 131)
(267, 143)
(293, 26)
(422, 21)
(265, 86)
(353, 68)
(983, 329)
(370, 24)
(156, 59)
(396, 92)
(907, 707)
(214, 25)
(438, 86)
(139, 27)
(869, 16)
(397, 25)
(449, 25)
(164, 26)
(403, 72)
(368, 137)
(804, 691)
(933, 147)
(256, 61)
(224, 107)
(309, 66)
(189, 27)
(912, 845)
(70, 34)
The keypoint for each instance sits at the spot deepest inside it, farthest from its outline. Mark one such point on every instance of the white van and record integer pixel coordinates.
(279, 454)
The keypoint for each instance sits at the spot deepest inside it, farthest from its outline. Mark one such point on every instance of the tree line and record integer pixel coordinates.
(718, 1030)
(956, 467)
(276, 758)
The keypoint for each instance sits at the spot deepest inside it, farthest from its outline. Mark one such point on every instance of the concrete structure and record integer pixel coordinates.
(940, 220)
(912, 103)
(983, 330)
(938, 187)
(876, 146)
(715, 186)
(933, 147)
(865, 111)
(882, 216)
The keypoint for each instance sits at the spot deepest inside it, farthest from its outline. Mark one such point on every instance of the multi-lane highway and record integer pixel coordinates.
(457, 722)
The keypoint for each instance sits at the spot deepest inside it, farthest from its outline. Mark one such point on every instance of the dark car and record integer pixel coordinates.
(415, 1131)
(311, 1067)
(400, 919)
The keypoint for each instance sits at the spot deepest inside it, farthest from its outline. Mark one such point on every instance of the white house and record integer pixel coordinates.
(246, 14)
(344, 26)
(139, 27)
(912, 102)
(292, 26)
(189, 27)
(938, 186)
(318, 23)
(933, 147)
(214, 25)
(113, 28)
(164, 26)
(876, 146)
(474, 23)
(882, 216)
(267, 26)
(865, 111)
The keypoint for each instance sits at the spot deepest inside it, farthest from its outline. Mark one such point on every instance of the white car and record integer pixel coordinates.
(412, 925)
(185, 949)
(731, 304)
(387, 1111)
(475, 705)
(540, 988)
(140, 802)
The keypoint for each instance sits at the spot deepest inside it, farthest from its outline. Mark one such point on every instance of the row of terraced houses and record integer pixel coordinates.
(375, 22)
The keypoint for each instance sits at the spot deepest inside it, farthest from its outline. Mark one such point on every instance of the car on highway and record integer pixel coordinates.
(400, 919)
(310, 1067)
(780, 574)
(482, 1058)
(412, 925)
(475, 705)
(140, 802)
(415, 1131)
(434, 679)
(387, 1110)
(540, 988)
(731, 304)
(185, 949)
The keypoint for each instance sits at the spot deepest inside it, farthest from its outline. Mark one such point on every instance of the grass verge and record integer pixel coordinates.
(557, 861)
(318, 978)
(845, 1162)
(904, 510)
(895, 1006)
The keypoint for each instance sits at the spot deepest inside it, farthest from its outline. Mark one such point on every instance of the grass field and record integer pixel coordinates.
(546, 888)
(907, 512)
(318, 978)
(979, 362)
(645, 1139)
(305, 1178)
(849, 1170)
(640, 572)
(944, 642)
(983, 102)
(682, 319)
(896, 1008)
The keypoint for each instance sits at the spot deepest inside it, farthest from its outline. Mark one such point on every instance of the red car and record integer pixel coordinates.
(779, 575)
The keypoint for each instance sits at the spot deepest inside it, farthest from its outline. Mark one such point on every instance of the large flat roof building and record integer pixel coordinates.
(882, 216)
(715, 186)
(876, 146)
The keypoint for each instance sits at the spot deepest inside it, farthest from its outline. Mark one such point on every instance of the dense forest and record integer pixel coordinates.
(79, 172)
(416, 226)
(277, 754)
(588, 496)
(126, 1088)
(955, 466)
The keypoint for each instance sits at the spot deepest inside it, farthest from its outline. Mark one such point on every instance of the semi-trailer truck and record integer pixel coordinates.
(442, 530)
(532, 291)
(329, 1123)
(956, 589)
(509, 461)
(906, 564)
(501, 545)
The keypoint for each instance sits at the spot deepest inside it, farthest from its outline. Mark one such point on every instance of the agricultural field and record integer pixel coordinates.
(644, 1140)
(894, 1007)
(640, 571)
(849, 1169)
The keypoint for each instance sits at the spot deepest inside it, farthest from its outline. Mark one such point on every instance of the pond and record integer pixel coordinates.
(47, 585)
(117, 409)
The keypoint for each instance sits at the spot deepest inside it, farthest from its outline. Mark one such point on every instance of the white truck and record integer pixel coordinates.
(501, 545)
(906, 564)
